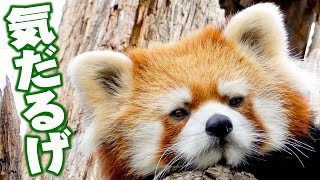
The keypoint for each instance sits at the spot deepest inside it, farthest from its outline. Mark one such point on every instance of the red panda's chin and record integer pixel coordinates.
(229, 154)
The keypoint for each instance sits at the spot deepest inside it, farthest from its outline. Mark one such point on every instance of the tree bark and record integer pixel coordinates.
(10, 141)
(213, 173)
(99, 24)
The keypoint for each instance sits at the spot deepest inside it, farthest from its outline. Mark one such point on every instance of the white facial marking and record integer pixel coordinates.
(205, 160)
(233, 88)
(202, 149)
(146, 137)
(145, 146)
(174, 99)
(274, 118)
(235, 155)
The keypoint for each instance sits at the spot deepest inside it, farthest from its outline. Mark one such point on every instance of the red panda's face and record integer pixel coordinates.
(216, 96)
(200, 102)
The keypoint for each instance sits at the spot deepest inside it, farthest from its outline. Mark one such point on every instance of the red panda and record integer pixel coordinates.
(219, 95)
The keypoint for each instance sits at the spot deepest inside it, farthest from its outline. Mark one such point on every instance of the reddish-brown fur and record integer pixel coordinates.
(298, 112)
(171, 131)
(196, 63)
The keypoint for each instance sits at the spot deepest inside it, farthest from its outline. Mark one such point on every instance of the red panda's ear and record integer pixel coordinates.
(101, 77)
(259, 30)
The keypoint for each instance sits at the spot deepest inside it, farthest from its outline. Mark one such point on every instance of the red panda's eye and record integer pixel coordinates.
(179, 114)
(236, 101)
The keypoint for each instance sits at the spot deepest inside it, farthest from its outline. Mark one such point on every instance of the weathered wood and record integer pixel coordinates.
(214, 173)
(0, 100)
(315, 40)
(10, 141)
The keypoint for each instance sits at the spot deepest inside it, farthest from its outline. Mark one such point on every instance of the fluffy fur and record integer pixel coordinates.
(130, 98)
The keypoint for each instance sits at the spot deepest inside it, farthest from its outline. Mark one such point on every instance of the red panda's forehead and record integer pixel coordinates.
(200, 61)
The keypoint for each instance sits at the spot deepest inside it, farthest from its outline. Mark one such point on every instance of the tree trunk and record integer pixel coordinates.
(99, 24)
(10, 141)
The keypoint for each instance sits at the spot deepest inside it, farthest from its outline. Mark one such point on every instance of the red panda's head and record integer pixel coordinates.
(218, 95)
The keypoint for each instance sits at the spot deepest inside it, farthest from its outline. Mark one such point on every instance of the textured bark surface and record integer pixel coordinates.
(213, 173)
(299, 15)
(95, 25)
(10, 141)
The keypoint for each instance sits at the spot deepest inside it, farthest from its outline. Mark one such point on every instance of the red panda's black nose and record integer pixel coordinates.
(218, 125)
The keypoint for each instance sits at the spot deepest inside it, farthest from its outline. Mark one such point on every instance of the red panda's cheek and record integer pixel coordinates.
(269, 116)
(111, 157)
(171, 130)
(248, 111)
(250, 114)
(144, 139)
(298, 111)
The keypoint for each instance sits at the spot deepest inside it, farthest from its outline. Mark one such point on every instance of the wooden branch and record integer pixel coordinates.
(10, 141)
(214, 173)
